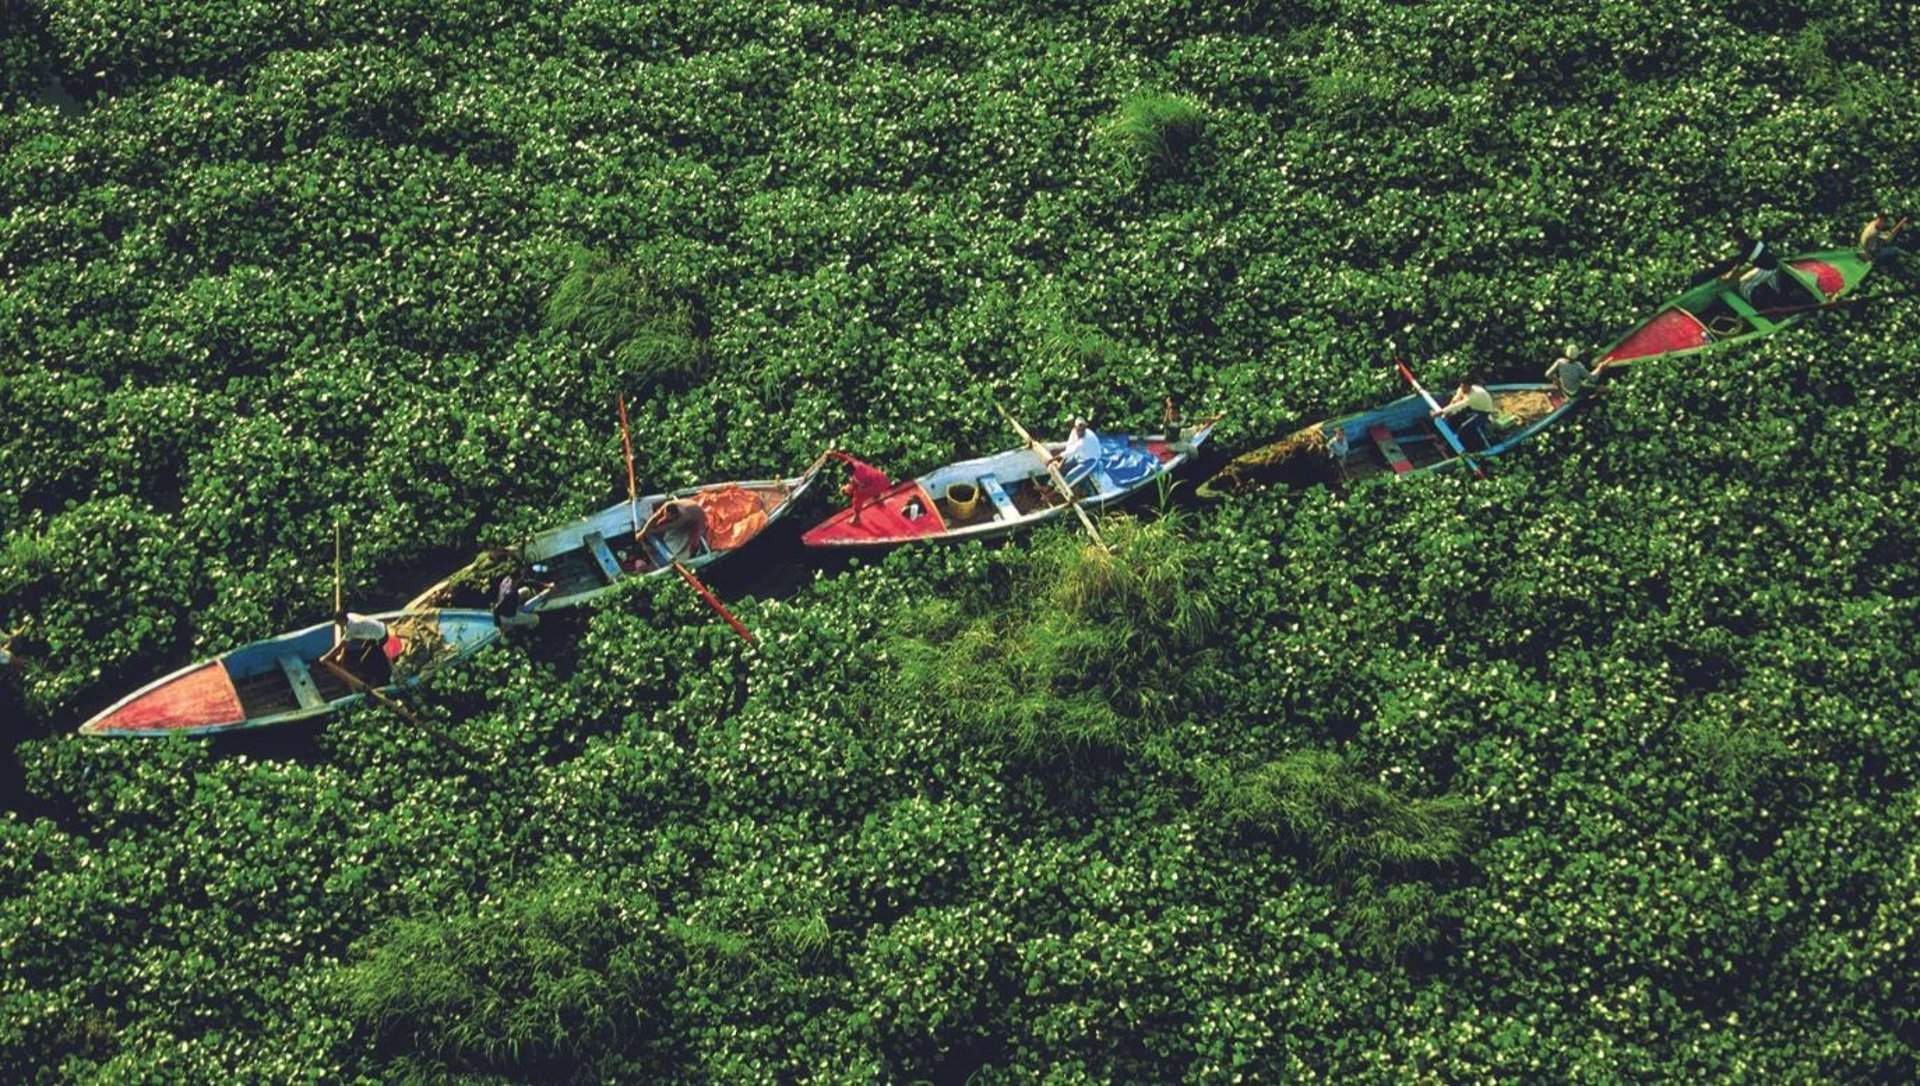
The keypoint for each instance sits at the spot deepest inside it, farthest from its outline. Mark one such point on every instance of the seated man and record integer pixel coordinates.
(1476, 404)
(363, 637)
(676, 530)
(1082, 451)
(511, 602)
(1876, 238)
(1570, 374)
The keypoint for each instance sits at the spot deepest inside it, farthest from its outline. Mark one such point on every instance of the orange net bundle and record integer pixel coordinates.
(736, 514)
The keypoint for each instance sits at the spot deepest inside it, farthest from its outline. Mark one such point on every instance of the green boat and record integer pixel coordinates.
(1715, 314)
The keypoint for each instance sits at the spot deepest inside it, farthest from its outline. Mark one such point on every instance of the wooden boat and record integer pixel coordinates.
(1400, 438)
(1713, 314)
(1005, 492)
(281, 680)
(590, 556)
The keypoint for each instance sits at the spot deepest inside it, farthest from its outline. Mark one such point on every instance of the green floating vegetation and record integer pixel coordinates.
(1343, 817)
(560, 979)
(1603, 769)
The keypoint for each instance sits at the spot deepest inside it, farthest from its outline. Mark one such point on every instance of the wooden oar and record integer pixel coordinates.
(1439, 423)
(633, 513)
(713, 601)
(818, 463)
(360, 686)
(1059, 480)
(633, 484)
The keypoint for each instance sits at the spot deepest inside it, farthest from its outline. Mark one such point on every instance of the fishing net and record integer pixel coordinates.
(736, 514)
(422, 648)
(1525, 408)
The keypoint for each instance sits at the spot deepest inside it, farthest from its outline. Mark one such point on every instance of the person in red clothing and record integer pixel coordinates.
(868, 485)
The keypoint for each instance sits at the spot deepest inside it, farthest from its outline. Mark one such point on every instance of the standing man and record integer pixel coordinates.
(867, 486)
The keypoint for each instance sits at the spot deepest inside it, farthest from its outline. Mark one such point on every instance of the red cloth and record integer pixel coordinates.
(1829, 277)
(884, 521)
(1674, 330)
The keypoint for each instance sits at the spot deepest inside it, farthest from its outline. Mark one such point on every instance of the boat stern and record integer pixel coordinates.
(197, 699)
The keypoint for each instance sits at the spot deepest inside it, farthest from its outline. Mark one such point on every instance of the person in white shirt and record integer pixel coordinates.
(351, 629)
(1476, 403)
(1083, 446)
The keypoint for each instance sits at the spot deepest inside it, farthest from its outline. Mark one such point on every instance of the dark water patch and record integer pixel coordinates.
(50, 90)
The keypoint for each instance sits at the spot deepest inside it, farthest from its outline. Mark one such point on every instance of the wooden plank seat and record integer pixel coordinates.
(295, 669)
(602, 556)
(1389, 448)
(997, 494)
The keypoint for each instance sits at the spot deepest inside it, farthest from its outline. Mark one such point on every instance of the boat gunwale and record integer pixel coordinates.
(989, 529)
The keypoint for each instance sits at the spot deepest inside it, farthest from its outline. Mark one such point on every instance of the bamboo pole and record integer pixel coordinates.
(633, 482)
(338, 632)
(633, 513)
(360, 685)
(1053, 470)
(713, 601)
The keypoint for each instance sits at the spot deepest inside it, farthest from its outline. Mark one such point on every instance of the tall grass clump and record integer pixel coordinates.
(558, 982)
(1093, 650)
(654, 333)
(1155, 133)
(1343, 817)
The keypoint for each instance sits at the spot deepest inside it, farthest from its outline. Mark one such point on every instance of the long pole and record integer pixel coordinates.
(1791, 309)
(338, 632)
(713, 601)
(1059, 480)
(360, 685)
(633, 484)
